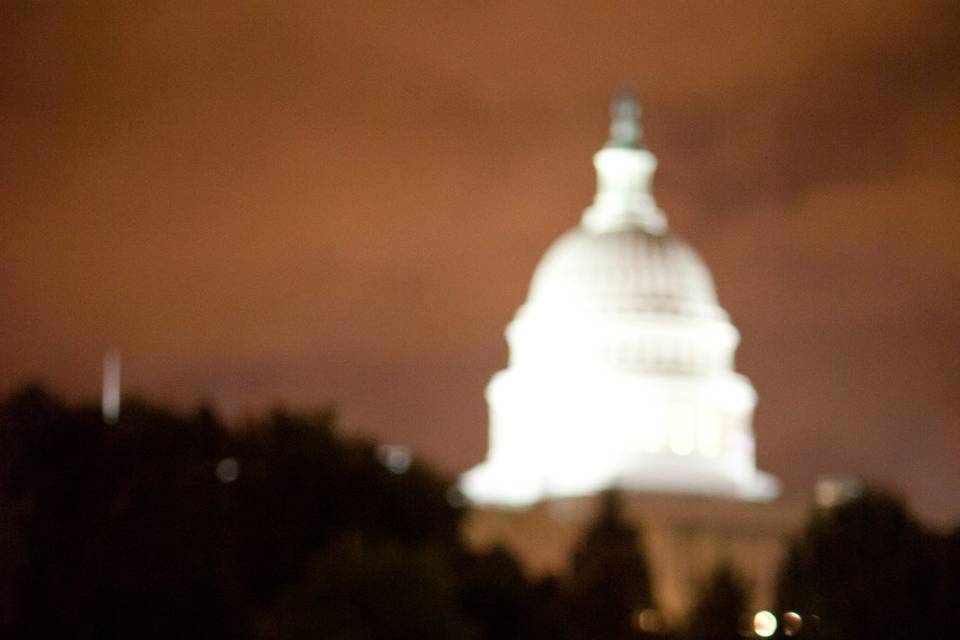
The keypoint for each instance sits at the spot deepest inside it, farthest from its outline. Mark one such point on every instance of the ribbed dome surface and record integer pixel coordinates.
(624, 271)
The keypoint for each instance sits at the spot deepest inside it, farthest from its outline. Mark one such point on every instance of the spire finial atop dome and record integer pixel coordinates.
(624, 172)
(625, 127)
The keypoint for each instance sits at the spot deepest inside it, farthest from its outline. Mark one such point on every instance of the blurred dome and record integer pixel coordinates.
(624, 271)
(621, 369)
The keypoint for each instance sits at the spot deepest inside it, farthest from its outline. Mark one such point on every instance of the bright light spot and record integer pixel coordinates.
(792, 623)
(831, 491)
(395, 458)
(650, 620)
(228, 470)
(764, 624)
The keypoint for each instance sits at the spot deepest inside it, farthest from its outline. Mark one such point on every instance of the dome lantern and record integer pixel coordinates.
(625, 130)
(624, 176)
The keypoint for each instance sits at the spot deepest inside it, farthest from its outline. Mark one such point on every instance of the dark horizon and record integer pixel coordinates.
(344, 205)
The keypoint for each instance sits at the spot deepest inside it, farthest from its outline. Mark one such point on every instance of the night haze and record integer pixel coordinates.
(316, 205)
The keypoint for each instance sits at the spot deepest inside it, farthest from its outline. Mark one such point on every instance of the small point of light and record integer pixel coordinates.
(831, 490)
(764, 624)
(792, 623)
(228, 470)
(396, 458)
(650, 620)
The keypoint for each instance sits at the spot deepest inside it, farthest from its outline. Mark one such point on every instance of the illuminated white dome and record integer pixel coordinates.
(608, 291)
(621, 360)
(624, 271)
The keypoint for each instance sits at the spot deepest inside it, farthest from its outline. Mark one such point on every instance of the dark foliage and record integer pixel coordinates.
(720, 607)
(169, 525)
(866, 570)
(134, 530)
(609, 578)
(947, 601)
(358, 589)
(508, 605)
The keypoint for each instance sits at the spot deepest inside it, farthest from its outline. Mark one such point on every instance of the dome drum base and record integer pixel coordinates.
(511, 486)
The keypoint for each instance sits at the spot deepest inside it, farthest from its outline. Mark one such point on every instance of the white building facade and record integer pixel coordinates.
(621, 371)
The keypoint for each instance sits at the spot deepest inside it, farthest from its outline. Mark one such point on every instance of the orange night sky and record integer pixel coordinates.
(310, 204)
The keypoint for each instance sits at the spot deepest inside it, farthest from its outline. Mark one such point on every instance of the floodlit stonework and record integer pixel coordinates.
(621, 375)
(621, 368)
(684, 537)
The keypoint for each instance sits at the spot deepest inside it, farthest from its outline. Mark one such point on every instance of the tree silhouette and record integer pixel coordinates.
(947, 602)
(133, 530)
(504, 603)
(865, 569)
(720, 606)
(358, 589)
(609, 577)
